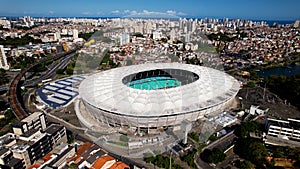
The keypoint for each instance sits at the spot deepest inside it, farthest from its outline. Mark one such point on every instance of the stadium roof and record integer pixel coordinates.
(106, 91)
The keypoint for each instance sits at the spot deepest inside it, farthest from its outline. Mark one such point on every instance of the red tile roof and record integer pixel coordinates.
(101, 161)
(47, 157)
(119, 165)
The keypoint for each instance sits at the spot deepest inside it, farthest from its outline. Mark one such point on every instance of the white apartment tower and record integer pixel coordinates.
(124, 38)
(3, 60)
(75, 33)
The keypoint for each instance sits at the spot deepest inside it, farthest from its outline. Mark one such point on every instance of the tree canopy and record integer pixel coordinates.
(213, 156)
(252, 149)
(246, 127)
(24, 40)
(286, 87)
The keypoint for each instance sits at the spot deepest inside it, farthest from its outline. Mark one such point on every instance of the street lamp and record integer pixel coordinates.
(170, 160)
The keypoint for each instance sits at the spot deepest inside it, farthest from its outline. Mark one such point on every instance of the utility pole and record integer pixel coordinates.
(171, 160)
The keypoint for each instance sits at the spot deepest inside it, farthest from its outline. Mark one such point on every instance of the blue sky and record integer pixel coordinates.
(245, 9)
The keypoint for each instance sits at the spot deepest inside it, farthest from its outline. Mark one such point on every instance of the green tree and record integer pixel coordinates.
(252, 150)
(286, 87)
(70, 137)
(246, 127)
(250, 84)
(72, 166)
(3, 77)
(69, 71)
(189, 159)
(217, 156)
(213, 156)
(86, 36)
(243, 164)
(24, 40)
(193, 135)
(60, 71)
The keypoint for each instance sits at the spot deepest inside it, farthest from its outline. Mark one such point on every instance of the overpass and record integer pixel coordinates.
(15, 85)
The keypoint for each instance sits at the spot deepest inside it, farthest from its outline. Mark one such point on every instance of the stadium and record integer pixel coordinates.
(156, 95)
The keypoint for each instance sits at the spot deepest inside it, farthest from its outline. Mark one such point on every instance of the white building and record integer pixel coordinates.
(157, 35)
(283, 132)
(36, 121)
(75, 33)
(117, 100)
(124, 38)
(3, 60)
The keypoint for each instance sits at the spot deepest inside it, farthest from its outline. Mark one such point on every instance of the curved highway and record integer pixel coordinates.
(15, 84)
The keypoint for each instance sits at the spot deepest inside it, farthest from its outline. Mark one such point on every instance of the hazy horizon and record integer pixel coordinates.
(256, 10)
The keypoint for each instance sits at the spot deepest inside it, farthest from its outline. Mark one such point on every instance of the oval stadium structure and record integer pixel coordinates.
(152, 96)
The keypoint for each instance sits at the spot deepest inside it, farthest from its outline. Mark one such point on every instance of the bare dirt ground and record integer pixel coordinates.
(265, 99)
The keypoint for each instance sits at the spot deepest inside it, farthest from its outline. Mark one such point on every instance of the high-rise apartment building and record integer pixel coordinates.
(75, 33)
(3, 60)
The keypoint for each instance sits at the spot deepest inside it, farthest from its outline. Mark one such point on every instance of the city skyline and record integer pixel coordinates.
(267, 10)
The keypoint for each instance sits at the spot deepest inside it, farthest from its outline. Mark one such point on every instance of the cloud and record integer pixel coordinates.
(86, 13)
(115, 12)
(51, 12)
(170, 12)
(181, 14)
(133, 12)
(127, 11)
(148, 14)
(152, 14)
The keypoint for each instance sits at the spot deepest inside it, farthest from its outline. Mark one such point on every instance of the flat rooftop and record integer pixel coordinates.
(289, 123)
(53, 128)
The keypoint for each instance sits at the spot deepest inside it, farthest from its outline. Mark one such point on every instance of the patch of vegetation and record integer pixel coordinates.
(193, 135)
(213, 138)
(72, 166)
(86, 36)
(70, 137)
(107, 62)
(221, 37)
(246, 127)
(194, 61)
(243, 164)
(3, 77)
(124, 144)
(138, 34)
(250, 84)
(24, 40)
(252, 150)
(213, 156)
(21, 62)
(189, 159)
(288, 153)
(9, 118)
(286, 87)
(162, 162)
(124, 138)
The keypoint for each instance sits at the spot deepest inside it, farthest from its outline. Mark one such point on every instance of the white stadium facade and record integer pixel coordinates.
(158, 95)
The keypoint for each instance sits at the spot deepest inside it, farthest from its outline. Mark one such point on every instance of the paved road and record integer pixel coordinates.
(15, 85)
(223, 139)
(5, 88)
(51, 72)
